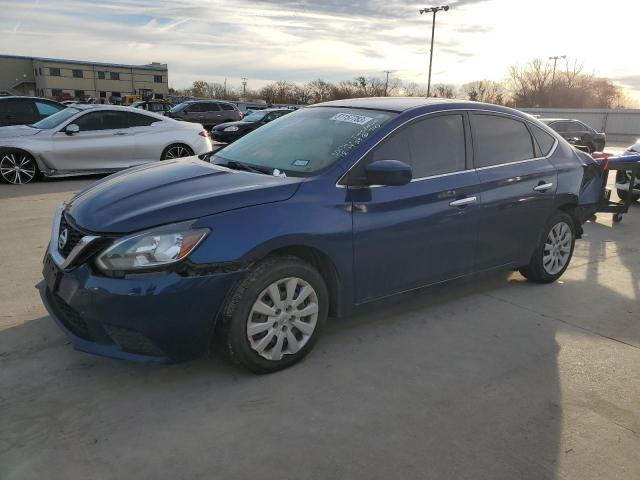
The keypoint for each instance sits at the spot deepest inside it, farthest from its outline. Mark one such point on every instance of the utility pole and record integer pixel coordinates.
(433, 10)
(244, 87)
(386, 83)
(553, 76)
(225, 88)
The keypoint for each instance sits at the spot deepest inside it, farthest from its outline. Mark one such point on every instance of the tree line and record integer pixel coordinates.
(535, 84)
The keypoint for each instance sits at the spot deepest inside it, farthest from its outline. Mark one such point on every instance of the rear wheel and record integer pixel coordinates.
(552, 256)
(17, 167)
(176, 151)
(275, 315)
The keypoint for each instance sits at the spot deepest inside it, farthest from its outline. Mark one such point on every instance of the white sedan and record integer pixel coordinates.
(87, 139)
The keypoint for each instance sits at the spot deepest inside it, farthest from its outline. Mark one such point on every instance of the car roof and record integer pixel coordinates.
(92, 106)
(209, 100)
(8, 97)
(422, 104)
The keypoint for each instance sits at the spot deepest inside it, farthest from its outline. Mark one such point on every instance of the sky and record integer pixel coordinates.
(301, 40)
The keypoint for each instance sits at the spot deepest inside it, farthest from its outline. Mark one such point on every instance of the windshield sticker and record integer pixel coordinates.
(300, 163)
(351, 118)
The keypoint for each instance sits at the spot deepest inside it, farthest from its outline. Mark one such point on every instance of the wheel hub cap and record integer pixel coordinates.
(557, 248)
(17, 169)
(283, 318)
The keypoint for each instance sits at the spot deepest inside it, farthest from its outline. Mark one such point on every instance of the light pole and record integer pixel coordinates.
(386, 83)
(553, 76)
(433, 10)
(244, 87)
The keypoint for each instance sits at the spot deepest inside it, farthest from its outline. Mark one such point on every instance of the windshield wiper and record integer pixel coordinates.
(247, 168)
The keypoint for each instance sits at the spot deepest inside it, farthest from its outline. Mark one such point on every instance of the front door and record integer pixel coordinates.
(517, 189)
(423, 232)
(104, 142)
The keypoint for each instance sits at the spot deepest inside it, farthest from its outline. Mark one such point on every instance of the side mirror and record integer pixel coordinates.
(388, 173)
(71, 129)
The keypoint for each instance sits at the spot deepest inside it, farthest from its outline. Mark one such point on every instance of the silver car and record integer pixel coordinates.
(84, 139)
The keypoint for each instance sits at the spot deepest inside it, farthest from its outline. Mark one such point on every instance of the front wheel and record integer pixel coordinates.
(552, 256)
(275, 315)
(17, 167)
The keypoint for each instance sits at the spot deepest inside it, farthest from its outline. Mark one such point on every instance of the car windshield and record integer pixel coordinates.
(179, 107)
(255, 116)
(306, 141)
(137, 104)
(56, 119)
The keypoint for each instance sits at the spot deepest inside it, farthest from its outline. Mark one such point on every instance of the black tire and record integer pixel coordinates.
(536, 271)
(623, 195)
(180, 149)
(235, 319)
(28, 168)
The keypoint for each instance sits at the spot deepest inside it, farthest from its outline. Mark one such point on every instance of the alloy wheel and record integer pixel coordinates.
(557, 248)
(283, 318)
(177, 152)
(17, 168)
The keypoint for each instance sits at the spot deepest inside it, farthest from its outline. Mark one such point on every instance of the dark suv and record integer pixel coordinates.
(209, 113)
(26, 110)
(577, 133)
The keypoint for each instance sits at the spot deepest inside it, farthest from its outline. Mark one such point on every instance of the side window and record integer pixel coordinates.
(437, 146)
(500, 140)
(560, 127)
(140, 120)
(46, 108)
(226, 106)
(433, 146)
(196, 108)
(212, 107)
(102, 120)
(544, 140)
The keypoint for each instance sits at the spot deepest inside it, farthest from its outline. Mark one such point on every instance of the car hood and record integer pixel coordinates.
(172, 191)
(18, 131)
(240, 123)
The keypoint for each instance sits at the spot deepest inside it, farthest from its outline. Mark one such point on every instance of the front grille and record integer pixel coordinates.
(133, 342)
(69, 317)
(73, 237)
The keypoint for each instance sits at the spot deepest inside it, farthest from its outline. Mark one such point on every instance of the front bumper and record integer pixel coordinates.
(158, 318)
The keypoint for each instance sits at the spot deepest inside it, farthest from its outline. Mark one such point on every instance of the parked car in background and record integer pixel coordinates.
(231, 131)
(84, 139)
(26, 110)
(326, 209)
(156, 106)
(577, 133)
(623, 177)
(206, 112)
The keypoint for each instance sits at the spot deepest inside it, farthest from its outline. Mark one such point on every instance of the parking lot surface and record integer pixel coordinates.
(491, 378)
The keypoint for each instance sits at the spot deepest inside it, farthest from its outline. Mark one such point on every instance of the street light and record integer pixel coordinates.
(433, 10)
(553, 76)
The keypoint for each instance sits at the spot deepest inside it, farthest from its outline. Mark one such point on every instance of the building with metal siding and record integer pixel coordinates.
(71, 79)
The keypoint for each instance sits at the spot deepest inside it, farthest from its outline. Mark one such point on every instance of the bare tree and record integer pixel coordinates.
(487, 91)
(443, 90)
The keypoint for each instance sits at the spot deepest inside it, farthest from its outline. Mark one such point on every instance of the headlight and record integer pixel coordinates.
(153, 248)
(231, 129)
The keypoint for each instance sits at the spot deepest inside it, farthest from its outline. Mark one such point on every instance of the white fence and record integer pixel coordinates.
(620, 125)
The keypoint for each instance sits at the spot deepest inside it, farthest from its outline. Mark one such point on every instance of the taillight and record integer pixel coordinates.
(204, 133)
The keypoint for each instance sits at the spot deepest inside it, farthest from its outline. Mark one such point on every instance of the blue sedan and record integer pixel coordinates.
(313, 215)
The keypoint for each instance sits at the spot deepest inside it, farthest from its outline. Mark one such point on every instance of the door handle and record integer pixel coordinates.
(120, 134)
(463, 202)
(543, 187)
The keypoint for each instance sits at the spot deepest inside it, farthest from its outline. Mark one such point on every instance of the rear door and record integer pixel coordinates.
(212, 115)
(417, 234)
(104, 142)
(517, 185)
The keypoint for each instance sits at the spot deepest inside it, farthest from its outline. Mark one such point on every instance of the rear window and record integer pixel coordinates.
(544, 140)
(226, 106)
(140, 120)
(500, 140)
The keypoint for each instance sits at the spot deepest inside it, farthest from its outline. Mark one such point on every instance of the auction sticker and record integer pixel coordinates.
(351, 118)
